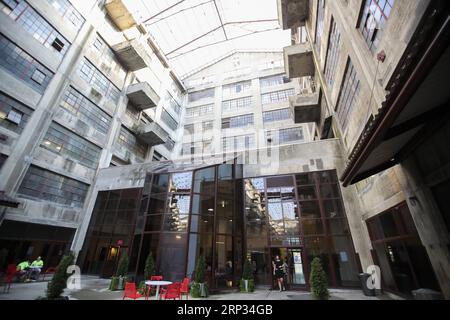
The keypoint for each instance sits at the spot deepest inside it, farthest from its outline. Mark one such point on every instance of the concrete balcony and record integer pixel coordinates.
(142, 96)
(151, 134)
(292, 13)
(305, 107)
(132, 55)
(298, 61)
(119, 14)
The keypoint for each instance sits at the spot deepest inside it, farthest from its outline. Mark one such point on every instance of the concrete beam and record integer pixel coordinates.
(292, 13)
(120, 15)
(299, 61)
(305, 107)
(152, 134)
(142, 96)
(132, 54)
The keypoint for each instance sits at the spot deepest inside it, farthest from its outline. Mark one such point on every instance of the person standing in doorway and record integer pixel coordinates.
(278, 272)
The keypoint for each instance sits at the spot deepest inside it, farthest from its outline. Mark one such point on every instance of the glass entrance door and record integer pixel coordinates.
(292, 257)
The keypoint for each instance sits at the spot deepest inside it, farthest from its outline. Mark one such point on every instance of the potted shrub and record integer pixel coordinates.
(199, 286)
(318, 280)
(58, 283)
(118, 281)
(149, 270)
(247, 283)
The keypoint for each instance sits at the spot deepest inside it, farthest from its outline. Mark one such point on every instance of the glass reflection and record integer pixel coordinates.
(180, 182)
(202, 223)
(204, 180)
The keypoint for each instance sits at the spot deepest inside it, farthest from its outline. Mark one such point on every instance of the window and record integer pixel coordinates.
(320, 22)
(46, 185)
(68, 12)
(170, 144)
(3, 159)
(38, 76)
(189, 148)
(173, 104)
(64, 142)
(58, 45)
(23, 66)
(207, 125)
(99, 82)
(334, 48)
(348, 95)
(130, 142)
(158, 156)
(276, 115)
(277, 96)
(15, 117)
(30, 20)
(236, 104)
(238, 143)
(236, 88)
(200, 110)
(169, 120)
(11, 4)
(199, 95)
(189, 129)
(13, 114)
(107, 60)
(237, 122)
(273, 80)
(284, 135)
(86, 111)
(374, 18)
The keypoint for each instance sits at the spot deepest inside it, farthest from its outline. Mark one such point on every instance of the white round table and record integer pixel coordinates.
(157, 284)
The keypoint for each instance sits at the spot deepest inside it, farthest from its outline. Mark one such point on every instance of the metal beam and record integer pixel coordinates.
(220, 19)
(221, 41)
(215, 29)
(161, 12)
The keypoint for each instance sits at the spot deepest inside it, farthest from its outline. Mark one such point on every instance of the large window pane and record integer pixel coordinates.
(204, 180)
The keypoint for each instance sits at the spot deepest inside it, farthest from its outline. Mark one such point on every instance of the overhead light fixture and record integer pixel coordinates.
(210, 209)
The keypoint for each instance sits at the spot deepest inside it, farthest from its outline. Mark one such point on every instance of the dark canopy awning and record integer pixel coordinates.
(417, 104)
(7, 201)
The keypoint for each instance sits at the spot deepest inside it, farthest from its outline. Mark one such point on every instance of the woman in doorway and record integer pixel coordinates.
(278, 272)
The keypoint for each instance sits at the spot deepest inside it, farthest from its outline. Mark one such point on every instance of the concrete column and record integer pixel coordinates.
(428, 220)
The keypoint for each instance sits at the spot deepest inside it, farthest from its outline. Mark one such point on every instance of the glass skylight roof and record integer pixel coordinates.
(193, 33)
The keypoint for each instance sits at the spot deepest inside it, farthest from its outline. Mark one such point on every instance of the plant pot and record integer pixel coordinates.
(121, 283)
(203, 290)
(247, 285)
(114, 283)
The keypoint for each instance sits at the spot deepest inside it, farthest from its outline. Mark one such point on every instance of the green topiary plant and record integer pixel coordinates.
(199, 286)
(318, 280)
(149, 270)
(59, 281)
(118, 282)
(122, 268)
(247, 283)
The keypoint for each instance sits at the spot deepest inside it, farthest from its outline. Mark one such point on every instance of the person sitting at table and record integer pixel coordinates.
(24, 269)
(36, 268)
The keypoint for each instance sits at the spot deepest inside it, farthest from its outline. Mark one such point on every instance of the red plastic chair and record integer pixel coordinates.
(11, 272)
(50, 270)
(131, 292)
(184, 289)
(172, 292)
(153, 288)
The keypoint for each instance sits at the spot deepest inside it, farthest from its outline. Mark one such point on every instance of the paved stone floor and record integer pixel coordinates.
(94, 288)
